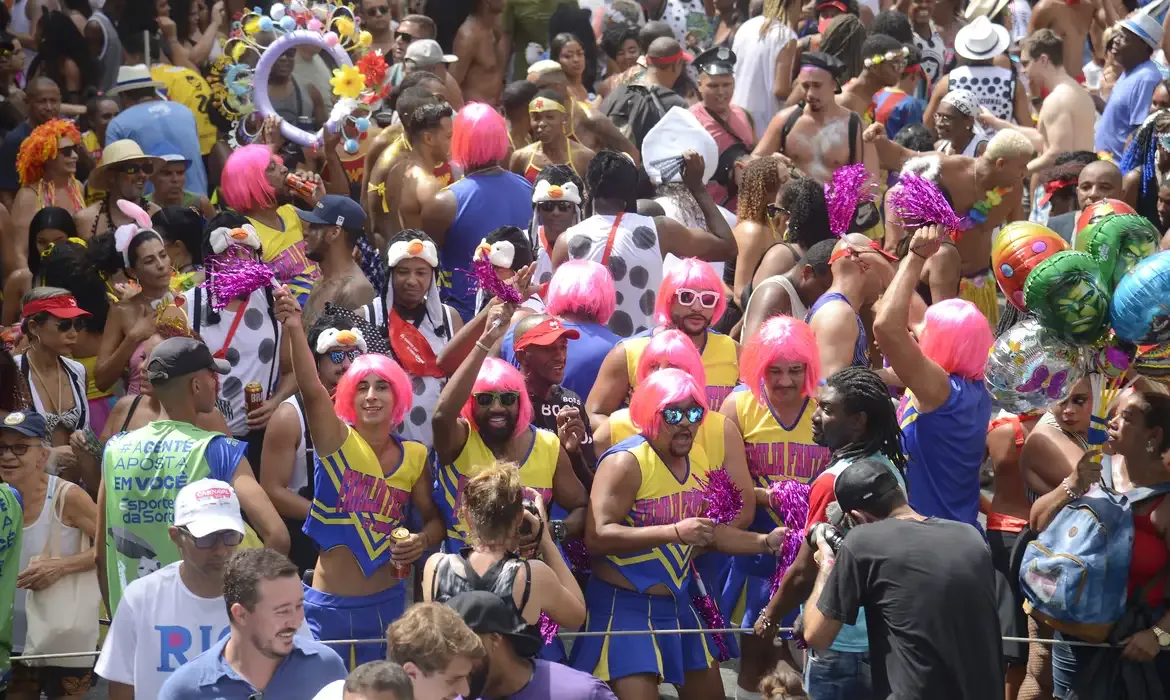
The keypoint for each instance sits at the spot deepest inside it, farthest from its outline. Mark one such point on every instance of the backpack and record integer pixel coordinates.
(1074, 576)
(635, 109)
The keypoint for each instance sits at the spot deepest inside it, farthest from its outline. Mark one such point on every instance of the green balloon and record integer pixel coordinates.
(1067, 295)
(1119, 242)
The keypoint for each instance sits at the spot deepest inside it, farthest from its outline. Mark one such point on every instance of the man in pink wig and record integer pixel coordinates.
(647, 518)
(689, 299)
(487, 198)
(484, 414)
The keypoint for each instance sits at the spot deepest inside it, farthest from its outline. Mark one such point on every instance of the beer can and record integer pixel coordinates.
(400, 534)
(253, 396)
(303, 187)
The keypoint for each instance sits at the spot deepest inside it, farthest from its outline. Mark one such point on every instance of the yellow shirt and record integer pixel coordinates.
(720, 361)
(284, 249)
(710, 434)
(188, 88)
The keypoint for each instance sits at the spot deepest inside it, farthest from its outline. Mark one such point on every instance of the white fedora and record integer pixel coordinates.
(981, 40)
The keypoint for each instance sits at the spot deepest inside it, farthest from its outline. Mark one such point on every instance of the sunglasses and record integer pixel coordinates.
(557, 206)
(403, 36)
(687, 297)
(674, 416)
(378, 11)
(487, 398)
(19, 450)
(67, 151)
(64, 325)
(230, 538)
(144, 168)
(338, 356)
(775, 210)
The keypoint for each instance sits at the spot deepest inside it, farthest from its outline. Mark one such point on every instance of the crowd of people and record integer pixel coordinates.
(516, 349)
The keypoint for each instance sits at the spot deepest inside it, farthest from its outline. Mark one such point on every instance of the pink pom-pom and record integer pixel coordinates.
(723, 497)
(580, 561)
(486, 279)
(229, 277)
(713, 619)
(548, 628)
(842, 195)
(314, 25)
(790, 501)
(917, 201)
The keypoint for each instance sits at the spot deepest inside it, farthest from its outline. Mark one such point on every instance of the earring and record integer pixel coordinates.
(1150, 447)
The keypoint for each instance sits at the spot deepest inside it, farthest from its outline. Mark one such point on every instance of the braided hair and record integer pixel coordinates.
(759, 185)
(808, 215)
(863, 391)
(845, 38)
(1143, 153)
(612, 175)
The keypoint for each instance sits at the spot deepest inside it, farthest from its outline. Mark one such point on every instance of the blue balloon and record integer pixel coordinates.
(352, 146)
(1140, 311)
(287, 23)
(265, 24)
(362, 124)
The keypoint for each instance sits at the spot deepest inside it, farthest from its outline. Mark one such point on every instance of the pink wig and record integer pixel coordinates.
(382, 367)
(691, 273)
(660, 390)
(781, 339)
(674, 349)
(957, 338)
(244, 185)
(479, 137)
(497, 375)
(582, 287)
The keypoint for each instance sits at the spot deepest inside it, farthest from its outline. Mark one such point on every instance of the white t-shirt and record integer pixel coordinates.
(333, 691)
(755, 69)
(161, 625)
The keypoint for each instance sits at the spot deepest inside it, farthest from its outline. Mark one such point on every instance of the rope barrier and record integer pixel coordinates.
(613, 633)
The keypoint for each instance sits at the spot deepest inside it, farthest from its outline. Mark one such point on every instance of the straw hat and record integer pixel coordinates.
(118, 153)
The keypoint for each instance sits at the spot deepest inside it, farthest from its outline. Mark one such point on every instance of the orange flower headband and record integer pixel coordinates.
(41, 147)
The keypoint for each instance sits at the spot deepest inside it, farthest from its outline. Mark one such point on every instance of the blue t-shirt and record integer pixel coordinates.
(153, 123)
(9, 180)
(583, 362)
(310, 667)
(944, 451)
(1127, 108)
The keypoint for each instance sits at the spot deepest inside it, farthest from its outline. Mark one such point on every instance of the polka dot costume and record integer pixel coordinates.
(994, 86)
(635, 263)
(690, 23)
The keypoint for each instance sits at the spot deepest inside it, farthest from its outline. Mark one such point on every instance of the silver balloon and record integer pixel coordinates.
(1029, 369)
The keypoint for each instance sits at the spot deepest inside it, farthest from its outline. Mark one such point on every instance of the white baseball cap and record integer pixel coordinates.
(208, 506)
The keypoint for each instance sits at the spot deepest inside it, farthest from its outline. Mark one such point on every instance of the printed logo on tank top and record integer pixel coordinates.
(667, 510)
(775, 461)
(716, 395)
(379, 507)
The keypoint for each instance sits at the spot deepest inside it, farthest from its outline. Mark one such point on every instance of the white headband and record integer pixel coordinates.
(414, 248)
(500, 253)
(223, 237)
(545, 192)
(333, 336)
(124, 234)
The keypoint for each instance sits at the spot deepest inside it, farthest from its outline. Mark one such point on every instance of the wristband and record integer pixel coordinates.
(479, 344)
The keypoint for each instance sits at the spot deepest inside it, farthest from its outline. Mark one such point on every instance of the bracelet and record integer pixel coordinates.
(676, 533)
(1072, 495)
(767, 622)
(915, 251)
(479, 344)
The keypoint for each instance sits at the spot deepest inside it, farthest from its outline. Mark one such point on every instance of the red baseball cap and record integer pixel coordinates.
(64, 306)
(839, 4)
(545, 333)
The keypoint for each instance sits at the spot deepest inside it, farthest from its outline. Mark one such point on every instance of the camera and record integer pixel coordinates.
(525, 525)
(833, 536)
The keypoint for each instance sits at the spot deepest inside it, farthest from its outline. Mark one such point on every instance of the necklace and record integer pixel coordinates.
(56, 405)
(992, 198)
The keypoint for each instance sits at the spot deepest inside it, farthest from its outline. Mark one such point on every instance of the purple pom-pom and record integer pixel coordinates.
(844, 193)
(548, 628)
(484, 274)
(917, 201)
(713, 619)
(790, 500)
(230, 277)
(723, 497)
(580, 561)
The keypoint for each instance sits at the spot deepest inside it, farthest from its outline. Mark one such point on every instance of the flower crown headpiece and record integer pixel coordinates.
(887, 56)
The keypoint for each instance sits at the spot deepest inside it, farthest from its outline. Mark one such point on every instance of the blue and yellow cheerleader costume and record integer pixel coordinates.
(720, 362)
(357, 506)
(661, 500)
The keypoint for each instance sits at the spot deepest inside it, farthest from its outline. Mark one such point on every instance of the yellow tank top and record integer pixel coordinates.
(188, 88)
(661, 500)
(719, 360)
(536, 472)
(710, 434)
(356, 505)
(91, 390)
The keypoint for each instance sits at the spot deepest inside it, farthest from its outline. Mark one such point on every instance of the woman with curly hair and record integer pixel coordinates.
(47, 166)
(757, 227)
(802, 218)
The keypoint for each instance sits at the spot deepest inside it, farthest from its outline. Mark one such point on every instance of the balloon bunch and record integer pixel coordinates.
(258, 39)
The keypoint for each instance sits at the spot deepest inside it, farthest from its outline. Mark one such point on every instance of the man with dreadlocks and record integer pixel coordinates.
(856, 420)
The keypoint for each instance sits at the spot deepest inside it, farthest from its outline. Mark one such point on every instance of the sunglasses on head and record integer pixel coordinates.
(230, 538)
(558, 206)
(674, 416)
(487, 398)
(687, 297)
(338, 356)
(775, 210)
(144, 168)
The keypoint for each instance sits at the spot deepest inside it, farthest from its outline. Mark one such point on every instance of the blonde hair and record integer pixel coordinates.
(782, 684)
(431, 636)
(491, 502)
(1008, 144)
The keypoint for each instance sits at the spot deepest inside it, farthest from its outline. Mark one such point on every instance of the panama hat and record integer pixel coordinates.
(134, 78)
(117, 153)
(981, 40)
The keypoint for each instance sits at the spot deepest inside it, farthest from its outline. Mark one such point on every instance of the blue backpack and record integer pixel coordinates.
(1074, 576)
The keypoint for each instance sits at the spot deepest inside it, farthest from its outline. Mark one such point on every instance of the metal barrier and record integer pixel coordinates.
(577, 635)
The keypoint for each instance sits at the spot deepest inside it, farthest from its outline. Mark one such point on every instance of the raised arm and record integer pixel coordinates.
(715, 243)
(123, 333)
(927, 380)
(890, 156)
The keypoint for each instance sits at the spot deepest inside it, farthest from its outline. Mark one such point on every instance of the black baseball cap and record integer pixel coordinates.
(488, 613)
(862, 483)
(336, 210)
(176, 357)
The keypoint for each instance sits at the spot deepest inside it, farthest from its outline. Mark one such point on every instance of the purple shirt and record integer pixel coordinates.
(562, 682)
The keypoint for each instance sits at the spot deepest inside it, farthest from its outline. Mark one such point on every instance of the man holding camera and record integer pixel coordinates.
(926, 584)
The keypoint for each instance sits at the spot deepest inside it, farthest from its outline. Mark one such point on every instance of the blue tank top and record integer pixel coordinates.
(484, 202)
(861, 348)
(944, 451)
